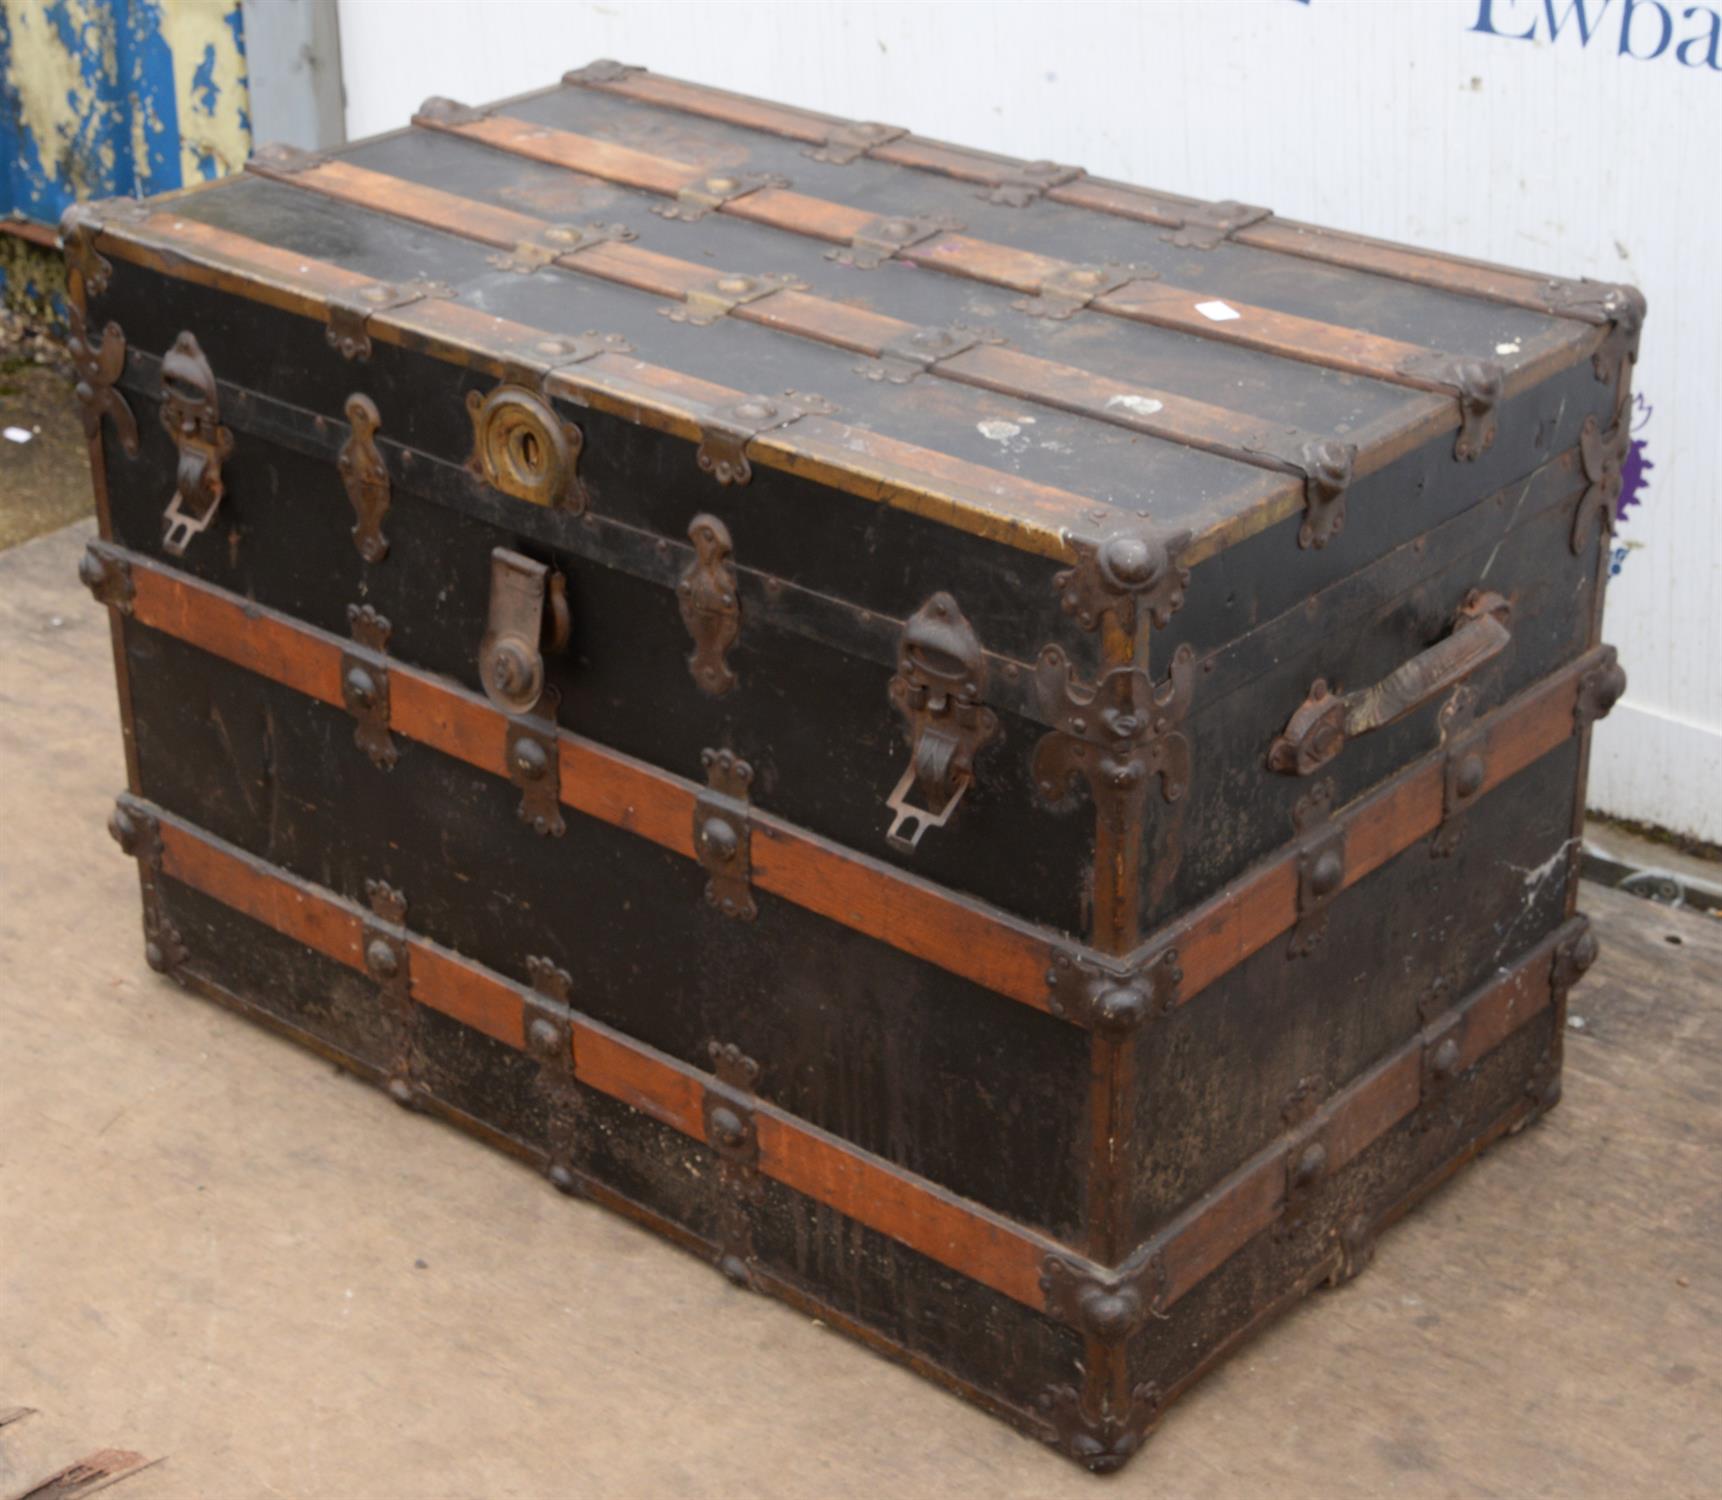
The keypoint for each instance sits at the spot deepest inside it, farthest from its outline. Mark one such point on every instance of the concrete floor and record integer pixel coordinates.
(218, 1251)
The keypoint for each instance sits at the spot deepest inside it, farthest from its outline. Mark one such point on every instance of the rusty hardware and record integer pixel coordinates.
(1479, 385)
(723, 836)
(1603, 455)
(1117, 734)
(1573, 957)
(1465, 767)
(1111, 995)
(366, 477)
(349, 312)
(876, 241)
(535, 767)
(726, 1109)
(1071, 288)
(916, 352)
(98, 366)
(1620, 307)
(706, 302)
(710, 194)
(850, 139)
(108, 578)
(511, 651)
(79, 227)
(388, 960)
(1130, 568)
(138, 833)
(277, 159)
(191, 413)
(521, 447)
(604, 70)
(1205, 226)
(1090, 1426)
(710, 604)
(1599, 690)
(1023, 182)
(553, 242)
(1106, 1306)
(365, 685)
(437, 110)
(938, 688)
(725, 431)
(1320, 877)
(548, 1033)
(1323, 723)
(1327, 467)
(1307, 1161)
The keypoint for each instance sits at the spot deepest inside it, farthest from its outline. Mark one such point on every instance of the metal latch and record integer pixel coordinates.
(350, 312)
(365, 473)
(1071, 288)
(709, 194)
(708, 301)
(1203, 226)
(510, 658)
(1026, 181)
(852, 138)
(940, 683)
(725, 431)
(917, 351)
(191, 413)
(876, 241)
(710, 604)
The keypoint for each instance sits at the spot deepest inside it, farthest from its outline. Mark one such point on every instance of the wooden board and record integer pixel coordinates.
(204, 1261)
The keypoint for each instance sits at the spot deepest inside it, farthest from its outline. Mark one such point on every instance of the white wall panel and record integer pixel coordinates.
(1528, 145)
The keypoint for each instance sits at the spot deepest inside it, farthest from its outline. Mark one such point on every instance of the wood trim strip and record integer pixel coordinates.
(1461, 275)
(965, 1236)
(1307, 340)
(978, 943)
(1215, 1228)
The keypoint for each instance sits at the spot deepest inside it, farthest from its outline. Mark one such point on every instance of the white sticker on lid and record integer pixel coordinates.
(998, 432)
(19, 434)
(1217, 312)
(1141, 406)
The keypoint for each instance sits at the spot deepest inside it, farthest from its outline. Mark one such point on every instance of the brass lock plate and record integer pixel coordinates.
(521, 447)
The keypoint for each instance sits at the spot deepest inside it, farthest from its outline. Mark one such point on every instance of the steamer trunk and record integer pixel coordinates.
(998, 753)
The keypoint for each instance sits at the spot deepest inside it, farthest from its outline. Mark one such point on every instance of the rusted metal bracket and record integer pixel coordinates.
(138, 834)
(1326, 466)
(706, 302)
(939, 689)
(1618, 306)
(710, 194)
(1023, 182)
(511, 651)
(723, 835)
(1320, 877)
(878, 240)
(1106, 1306)
(1116, 735)
(1071, 288)
(1307, 1160)
(549, 1038)
(79, 226)
(555, 241)
(1479, 385)
(1464, 771)
(710, 604)
(1131, 568)
(1573, 958)
(191, 413)
(388, 960)
(604, 70)
(1205, 226)
(365, 685)
(1111, 995)
(437, 110)
(1089, 1426)
(535, 767)
(1603, 455)
(366, 476)
(915, 353)
(278, 159)
(108, 578)
(725, 431)
(98, 366)
(850, 139)
(730, 1130)
(350, 312)
(1599, 690)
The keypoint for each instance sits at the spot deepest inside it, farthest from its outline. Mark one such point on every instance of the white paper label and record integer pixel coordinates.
(1217, 312)
(18, 434)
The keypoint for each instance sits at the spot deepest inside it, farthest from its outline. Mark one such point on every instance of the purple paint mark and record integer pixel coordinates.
(1635, 466)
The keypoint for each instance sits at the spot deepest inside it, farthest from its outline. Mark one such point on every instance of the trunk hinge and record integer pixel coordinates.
(1116, 735)
(725, 431)
(939, 689)
(710, 604)
(727, 1111)
(1112, 995)
(98, 367)
(1023, 182)
(388, 960)
(710, 194)
(191, 413)
(548, 1032)
(1131, 568)
(878, 240)
(1071, 288)
(723, 835)
(1205, 226)
(1621, 308)
(707, 301)
(850, 139)
(365, 685)
(917, 351)
(553, 242)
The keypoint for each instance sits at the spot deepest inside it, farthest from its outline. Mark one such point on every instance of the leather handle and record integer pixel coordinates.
(1326, 720)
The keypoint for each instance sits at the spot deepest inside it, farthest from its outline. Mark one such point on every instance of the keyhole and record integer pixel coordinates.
(529, 449)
